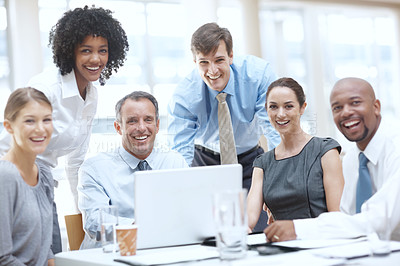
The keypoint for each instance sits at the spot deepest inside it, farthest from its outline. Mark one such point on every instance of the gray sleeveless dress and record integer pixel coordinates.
(293, 187)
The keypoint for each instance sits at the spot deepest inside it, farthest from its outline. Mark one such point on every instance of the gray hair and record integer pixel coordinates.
(136, 95)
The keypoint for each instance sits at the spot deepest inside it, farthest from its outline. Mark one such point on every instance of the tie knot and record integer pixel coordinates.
(363, 159)
(143, 165)
(221, 97)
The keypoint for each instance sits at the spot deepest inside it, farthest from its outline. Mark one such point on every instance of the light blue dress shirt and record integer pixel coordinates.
(107, 179)
(193, 109)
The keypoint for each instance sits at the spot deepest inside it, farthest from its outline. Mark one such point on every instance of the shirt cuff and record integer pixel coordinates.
(125, 221)
(306, 228)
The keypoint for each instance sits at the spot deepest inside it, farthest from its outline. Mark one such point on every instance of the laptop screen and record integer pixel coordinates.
(174, 206)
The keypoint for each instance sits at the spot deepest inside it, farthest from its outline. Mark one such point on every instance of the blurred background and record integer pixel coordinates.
(316, 42)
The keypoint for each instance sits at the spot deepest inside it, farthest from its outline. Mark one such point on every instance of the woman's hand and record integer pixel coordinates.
(280, 231)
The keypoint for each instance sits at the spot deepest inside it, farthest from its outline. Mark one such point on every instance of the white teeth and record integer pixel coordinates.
(349, 124)
(38, 139)
(93, 68)
(213, 77)
(282, 123)
(141, 137)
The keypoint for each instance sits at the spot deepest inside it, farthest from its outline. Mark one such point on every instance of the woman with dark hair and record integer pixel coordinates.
(88, 44)
(70, 36)
(302, 177)
(26, 184)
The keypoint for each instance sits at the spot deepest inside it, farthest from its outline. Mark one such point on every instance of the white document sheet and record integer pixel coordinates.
(303, 244)
(171, 255)
(318, 243)
(286, 259)
(354, 250)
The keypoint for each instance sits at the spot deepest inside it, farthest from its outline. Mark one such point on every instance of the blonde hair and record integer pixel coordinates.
(19, 98)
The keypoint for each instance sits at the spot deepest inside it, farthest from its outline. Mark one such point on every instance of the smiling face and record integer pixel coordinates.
(214, 68)
(355, 110)
(91, 57)
(284, 110)
(32, 128)
(138, 127)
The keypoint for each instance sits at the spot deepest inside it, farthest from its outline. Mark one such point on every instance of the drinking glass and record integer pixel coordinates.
(230, 219)
(109, 221)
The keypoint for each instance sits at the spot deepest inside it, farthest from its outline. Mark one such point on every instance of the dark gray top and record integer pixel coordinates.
(293, 187)
(26, 219)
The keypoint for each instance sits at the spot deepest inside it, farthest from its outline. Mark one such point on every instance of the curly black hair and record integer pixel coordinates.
(79, 23)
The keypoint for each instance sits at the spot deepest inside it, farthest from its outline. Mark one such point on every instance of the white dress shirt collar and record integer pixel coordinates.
(374, 148)
(70, 87)
(132, 161)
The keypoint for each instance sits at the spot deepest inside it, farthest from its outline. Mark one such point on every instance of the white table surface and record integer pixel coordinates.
(96, 257)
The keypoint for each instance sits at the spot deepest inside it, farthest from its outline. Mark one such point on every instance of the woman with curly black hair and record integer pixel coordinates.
(88, 44)
(81, 25)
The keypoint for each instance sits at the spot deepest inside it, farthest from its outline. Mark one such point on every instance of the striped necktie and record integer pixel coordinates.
(364, 186)
(226, 139)
(143, 166)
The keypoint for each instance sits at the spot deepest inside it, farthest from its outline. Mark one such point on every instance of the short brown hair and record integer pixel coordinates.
(206, 39)
(19, 98)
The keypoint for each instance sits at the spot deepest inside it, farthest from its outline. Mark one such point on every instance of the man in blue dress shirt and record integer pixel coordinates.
(193, 109)
(107, 178)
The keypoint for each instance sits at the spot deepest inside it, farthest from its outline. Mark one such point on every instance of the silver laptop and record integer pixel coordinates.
(174, 207)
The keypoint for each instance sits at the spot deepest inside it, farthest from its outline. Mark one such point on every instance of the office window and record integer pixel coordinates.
(167, 52)
(230, 17)
(50, 12)
(362, 43)
(348, 41)
(167, 46)
(4, 65)
(282, 37)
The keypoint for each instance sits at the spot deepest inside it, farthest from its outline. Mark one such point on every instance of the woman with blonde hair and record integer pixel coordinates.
(26, 184)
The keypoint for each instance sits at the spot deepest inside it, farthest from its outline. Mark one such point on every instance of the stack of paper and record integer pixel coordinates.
(164, 256)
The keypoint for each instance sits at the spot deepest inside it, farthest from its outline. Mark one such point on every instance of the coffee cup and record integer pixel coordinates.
(126, 237)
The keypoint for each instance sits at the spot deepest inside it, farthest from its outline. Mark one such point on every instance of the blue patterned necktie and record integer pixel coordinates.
(143, 166)
(364, 186)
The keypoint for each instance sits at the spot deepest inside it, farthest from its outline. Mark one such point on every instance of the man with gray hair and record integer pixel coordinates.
(107, 178)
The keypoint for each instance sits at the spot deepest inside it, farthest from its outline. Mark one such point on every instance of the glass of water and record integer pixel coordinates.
(109, 221)
(230, 219)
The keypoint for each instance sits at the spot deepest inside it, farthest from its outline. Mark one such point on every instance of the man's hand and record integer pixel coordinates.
(280, 231)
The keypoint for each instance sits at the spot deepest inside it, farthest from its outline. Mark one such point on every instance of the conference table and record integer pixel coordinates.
(326, 252)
